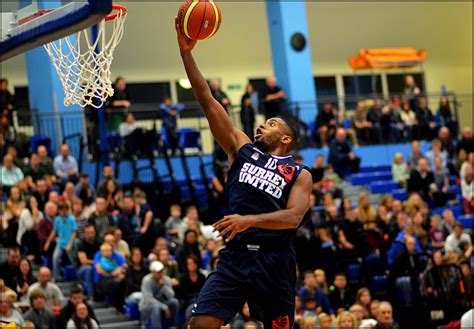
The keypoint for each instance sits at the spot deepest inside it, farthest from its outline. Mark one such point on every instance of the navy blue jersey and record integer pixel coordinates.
(259, 182)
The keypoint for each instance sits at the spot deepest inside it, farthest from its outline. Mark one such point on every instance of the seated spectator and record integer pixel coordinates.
(459, 242)
(436, 152)
(65, 166)
(107, 174)
(65, 229)
(440, 190)
(243, 317)
(447, 144)
(357, 312)
(408, 120)
(8, 313)
(340, 296)
(171, 266)
(207, 254)
(23, 280)
(53, 295)
(129, 126)
(425, 119)
(27, 225)
(10, 174)
(41, 193)
(110, 283)
(86, 251)
(363, 127)
(45, 160)
(45, 227)
(84, 190)
(81, 220)
(385, 317)
(121, 246)
(173, 223)
(101, 218)
(7, 100)
(310, 289)
(448, 221)
(190, 221)
(341, 156)
(415, 155)
(76, 297)
(169, 115)
(346, 320)
(158, 297)
(310, 307)
(363, 298)
(436, 233)
(11, 267)
(364, 211)
(351, 236)
(374, 308)
(326, 124)
(7, 131)
(147, 227)
(400, 171)
(134, 275)
(106, 262)
(375, 116)
(113, 196)
(330, 182)
(11, 216)
(407, 263)
(466, 142)
(420, 180)
(320, 277)
(273, 99)
(445, 117)
(190, 284)
(39, 314)
(325, 321)
(82, 318)
(33, 171)
(128, 221)
(189, 247)
(467, 188)
(317, 171)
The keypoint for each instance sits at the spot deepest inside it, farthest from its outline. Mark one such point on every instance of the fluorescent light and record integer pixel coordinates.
(184, 83)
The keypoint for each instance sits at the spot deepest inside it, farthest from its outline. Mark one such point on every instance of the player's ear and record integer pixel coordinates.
(287, 140)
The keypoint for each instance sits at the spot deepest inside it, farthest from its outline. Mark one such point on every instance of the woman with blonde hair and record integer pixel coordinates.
(346, 320)
(364, 210)
(324, 321)
(321, 281)
(364, 298)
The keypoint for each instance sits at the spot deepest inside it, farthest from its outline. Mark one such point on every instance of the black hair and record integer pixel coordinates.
(291, 125)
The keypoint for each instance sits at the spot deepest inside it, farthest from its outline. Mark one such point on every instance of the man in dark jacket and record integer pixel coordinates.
(420, 180)
(101, 219)
(425, 119)
(326, 124)
(39, 314)
(340, 296)
(76, 297)
(341, 155)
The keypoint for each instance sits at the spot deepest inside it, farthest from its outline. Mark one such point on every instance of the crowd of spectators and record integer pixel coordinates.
(55, 219)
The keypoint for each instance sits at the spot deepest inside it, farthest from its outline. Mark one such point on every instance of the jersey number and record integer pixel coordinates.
(271, 164)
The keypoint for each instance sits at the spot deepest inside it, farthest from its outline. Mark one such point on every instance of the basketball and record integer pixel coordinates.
(199, 19)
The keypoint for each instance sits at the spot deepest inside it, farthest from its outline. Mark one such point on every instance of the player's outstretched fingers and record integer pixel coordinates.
(231, 236)
(222, 223)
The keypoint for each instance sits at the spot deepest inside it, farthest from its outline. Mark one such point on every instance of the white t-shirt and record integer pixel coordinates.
(71, 325)
(452, 243)
(467, 320)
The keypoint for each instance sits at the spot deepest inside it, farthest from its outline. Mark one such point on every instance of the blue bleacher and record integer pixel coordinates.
(457, 210)
(383, 186)
(368, 177)
(400, 194)
(375, 168)
(467, 221)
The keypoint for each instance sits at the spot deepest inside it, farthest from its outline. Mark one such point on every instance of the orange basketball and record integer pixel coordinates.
(199, 19)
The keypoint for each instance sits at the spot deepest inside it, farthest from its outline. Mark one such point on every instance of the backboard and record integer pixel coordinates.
(26, 25)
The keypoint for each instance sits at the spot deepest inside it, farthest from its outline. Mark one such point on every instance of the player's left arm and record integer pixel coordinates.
(289, 218)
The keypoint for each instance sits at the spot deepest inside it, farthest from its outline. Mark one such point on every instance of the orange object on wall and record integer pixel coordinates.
(387, 58)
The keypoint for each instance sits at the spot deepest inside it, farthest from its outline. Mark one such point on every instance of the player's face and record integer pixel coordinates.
(271, 134)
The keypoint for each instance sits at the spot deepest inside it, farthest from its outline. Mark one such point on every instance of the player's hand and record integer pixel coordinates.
(185, 44)
(232, 224)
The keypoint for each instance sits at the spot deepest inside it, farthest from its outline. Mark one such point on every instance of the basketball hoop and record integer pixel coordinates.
(83, 64)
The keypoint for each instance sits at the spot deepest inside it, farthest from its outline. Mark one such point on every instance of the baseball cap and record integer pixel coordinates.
(156, 266)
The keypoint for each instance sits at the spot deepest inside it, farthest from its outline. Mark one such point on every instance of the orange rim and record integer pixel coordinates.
(117, 9)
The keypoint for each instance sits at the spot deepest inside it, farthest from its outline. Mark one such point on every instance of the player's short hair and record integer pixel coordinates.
(291, 130)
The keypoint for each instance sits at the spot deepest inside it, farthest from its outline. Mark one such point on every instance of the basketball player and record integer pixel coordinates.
(267, 194)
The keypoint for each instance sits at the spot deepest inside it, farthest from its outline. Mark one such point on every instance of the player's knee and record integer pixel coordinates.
(205, 322)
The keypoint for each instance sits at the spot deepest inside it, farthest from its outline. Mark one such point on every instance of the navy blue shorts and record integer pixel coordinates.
(266, 280)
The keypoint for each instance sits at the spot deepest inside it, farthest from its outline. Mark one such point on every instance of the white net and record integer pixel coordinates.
(83, 64)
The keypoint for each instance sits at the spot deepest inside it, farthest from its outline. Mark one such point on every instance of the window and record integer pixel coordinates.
(361, 86)
(326, 90)
(396, 82)
(22, 105)
(150, 92)
(259, 85)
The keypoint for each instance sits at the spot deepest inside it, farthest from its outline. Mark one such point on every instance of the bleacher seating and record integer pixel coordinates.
(383, 186)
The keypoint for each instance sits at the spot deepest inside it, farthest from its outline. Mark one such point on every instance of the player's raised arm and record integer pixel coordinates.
(229, 138)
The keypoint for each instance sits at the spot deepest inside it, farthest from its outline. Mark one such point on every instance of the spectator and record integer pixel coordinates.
(189, 247)
(364, 211)
(415, 155)
(76, 297)
(390, 122)
(447, 143)
(7, 131)
(169, 116)
(448, 221)
(208, 253)
(101, 219)
(219, 95)
(425, 119)
(326, 124)
(134, 275)
(310, 307)
(459, 242)
(325, 321)
(81, 220)
(53, 295)
(41, 316)
(129, 126)
(249, 106)
(190, 221)
(436, 152)
(310, 289)
(33, 171)
(81, 318)
(171, 266)
(112, 196)
(420, 180)
(65, 166)
(346, 320)
(128, 222)
(273, 99)
(121, 246)
(363, 127)
(467, 141)
(27, 226)
(364, 299)
(45, 160)
(385, 317)
(11, 216)
(317, 171)
(374, 116)
(65, 228)
(467, 190)
(340, 296)
(9, 314)
(445, 117)
(173, 223)
(341, 156)
(190, 284)
(407, 263)
(411, 91)
(45, 227)
(41, 193)
(84, 190)
(146, 223)
(86, 251)
(440, 190)
(23, 280)
(399, 170)
(158, 297)
(107, 174)
(11, 267)
(10, 174)
(436, 234)
(374, 308)
(467, 320)
(110, 283)
(320, 277)
(118, 104)
(7, 101)
(408, 119)
(243, 317)
(357, 312)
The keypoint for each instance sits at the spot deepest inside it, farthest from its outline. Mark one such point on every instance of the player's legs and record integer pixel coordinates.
(205, 322)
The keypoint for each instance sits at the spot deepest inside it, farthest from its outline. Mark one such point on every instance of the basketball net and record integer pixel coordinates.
(83, 65)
